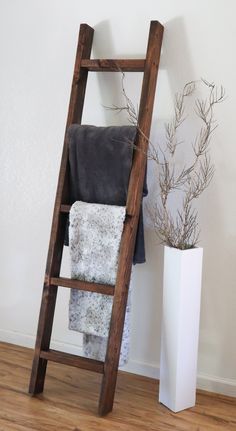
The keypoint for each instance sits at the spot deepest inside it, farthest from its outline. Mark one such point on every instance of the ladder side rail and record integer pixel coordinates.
(75, 110)
(130, 228)
(53, 265)
(145, 117)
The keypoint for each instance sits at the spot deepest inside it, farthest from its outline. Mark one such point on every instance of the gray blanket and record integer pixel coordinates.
(100, 160)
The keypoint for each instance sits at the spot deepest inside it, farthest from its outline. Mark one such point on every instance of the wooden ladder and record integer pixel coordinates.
(43, 353)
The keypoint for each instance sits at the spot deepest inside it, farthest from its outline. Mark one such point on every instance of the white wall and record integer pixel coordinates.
(37, 49)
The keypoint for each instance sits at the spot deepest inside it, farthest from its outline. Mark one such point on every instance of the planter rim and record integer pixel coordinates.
(183, 251)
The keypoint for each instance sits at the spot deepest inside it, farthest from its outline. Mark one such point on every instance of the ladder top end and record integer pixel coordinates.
(156, 23)
(86, 26)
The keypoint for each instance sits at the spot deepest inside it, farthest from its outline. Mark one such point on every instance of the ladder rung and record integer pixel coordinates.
(106, 289)
(73, 360)
(64, 208)
(103, 65)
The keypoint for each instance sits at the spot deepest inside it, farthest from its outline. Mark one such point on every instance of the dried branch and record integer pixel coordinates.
(179, 109)
(178, 227)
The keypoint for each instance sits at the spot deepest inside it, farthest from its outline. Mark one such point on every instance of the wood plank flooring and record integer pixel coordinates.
(70, 401)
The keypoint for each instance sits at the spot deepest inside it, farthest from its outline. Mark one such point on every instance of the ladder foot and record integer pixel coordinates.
(108, 387)
(38, 374)
(104, 410)
(105, 405)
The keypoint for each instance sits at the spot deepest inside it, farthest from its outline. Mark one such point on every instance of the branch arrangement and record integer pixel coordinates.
(177, 226)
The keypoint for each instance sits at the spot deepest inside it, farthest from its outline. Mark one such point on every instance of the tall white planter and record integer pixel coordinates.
(180, 327)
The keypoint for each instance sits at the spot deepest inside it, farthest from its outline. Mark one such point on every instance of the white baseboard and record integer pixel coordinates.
(217, 384)
(28, 340)
(206, 382)
(14, 337)
(142, 368)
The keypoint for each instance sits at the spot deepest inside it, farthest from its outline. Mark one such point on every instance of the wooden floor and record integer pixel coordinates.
(70, 398)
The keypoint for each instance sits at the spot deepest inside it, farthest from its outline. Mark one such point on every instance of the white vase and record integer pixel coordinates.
(180, 327)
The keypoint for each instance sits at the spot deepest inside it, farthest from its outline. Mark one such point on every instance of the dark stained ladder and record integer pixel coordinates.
(43, 353)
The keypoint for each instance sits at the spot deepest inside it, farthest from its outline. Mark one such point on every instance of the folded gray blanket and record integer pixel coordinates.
(100, 160)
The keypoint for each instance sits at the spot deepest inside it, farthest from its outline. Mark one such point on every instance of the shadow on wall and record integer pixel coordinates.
(147, 303)
(176, 58)
(175, 64)
(218, 302)
(109, 84)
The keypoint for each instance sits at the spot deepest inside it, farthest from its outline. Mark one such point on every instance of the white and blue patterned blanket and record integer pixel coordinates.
(94, 237)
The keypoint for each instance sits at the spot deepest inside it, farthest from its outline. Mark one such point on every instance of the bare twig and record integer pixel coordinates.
(180, 230)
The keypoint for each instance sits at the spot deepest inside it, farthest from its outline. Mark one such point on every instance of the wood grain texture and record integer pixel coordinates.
(69, 402)
(106, 289)
(145, 115)
(65, 208)
(46, 316)
(73, 360)
(105, 65)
